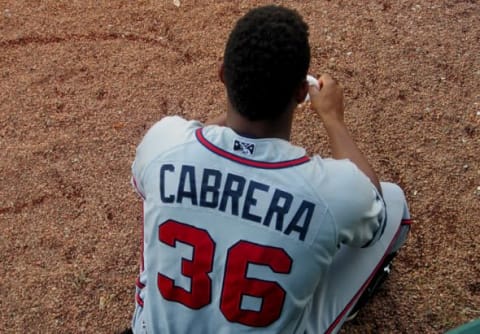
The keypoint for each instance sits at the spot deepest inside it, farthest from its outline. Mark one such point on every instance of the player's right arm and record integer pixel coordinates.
(328, 103)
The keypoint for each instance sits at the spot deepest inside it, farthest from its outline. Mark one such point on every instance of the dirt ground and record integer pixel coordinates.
(81, 81)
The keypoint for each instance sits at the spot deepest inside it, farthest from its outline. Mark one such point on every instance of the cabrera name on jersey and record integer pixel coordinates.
(188, 185)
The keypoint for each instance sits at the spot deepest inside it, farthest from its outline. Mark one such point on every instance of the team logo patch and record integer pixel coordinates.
(245, 148)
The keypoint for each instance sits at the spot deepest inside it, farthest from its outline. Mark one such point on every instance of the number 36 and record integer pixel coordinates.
(235, 282)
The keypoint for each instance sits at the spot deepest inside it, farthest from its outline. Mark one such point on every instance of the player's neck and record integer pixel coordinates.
(279, 128)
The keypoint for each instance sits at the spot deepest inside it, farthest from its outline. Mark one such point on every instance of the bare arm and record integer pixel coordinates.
(328, 103)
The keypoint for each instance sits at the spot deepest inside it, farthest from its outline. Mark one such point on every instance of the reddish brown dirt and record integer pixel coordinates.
(81, 81)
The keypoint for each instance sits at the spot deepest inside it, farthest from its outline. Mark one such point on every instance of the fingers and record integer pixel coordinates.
(327, 80)
(327, 99)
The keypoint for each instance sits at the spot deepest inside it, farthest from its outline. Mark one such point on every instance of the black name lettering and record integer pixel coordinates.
(163, 170)
(250, 201)
(237, 196)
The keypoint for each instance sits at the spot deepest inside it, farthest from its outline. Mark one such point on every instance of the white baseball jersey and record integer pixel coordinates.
(238, 232)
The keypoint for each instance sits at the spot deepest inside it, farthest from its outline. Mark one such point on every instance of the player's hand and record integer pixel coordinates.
(328, 100)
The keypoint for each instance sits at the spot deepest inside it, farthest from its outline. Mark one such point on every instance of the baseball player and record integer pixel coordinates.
(243, 232)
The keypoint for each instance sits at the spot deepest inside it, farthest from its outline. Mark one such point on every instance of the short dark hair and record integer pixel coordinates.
(266, 59)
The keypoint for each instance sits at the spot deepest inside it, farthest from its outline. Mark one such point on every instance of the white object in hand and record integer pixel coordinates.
(311, 82)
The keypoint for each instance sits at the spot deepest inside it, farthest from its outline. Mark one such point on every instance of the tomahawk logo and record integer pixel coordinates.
(245, 148)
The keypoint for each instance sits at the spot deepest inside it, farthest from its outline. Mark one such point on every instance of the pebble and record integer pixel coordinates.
(176, 3)
(102, 302)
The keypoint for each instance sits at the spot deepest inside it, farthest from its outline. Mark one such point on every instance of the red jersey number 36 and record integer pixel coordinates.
(235, 282)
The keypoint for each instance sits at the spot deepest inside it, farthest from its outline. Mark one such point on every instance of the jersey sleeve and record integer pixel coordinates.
(356, 206)
(169, 132)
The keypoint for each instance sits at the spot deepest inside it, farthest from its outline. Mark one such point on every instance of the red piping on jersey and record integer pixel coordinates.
(136, 188)
(364, 286)
(139, 299)
(139, 284)
(406, 222)
(248, 162)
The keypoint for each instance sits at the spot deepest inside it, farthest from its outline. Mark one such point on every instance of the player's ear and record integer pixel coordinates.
(301, 92)
(221, 72)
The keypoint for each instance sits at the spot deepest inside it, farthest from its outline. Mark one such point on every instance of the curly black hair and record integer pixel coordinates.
(266, 59)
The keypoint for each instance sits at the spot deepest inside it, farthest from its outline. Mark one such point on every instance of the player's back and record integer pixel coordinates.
(238, 232)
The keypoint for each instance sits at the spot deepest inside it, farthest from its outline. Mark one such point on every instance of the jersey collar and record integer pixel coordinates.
(244, 161)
